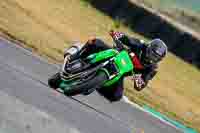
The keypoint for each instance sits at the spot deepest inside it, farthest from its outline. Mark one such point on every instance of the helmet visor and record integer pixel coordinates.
(156, 50)
(152, 56)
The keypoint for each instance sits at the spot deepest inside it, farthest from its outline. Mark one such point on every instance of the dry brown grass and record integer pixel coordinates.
(175, 91)
(51, 27)
(48, 26)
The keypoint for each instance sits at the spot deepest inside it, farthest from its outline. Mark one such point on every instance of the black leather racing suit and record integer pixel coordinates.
(115, 92)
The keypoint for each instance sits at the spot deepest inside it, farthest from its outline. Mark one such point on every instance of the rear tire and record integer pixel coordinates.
(54, 81)
(94, 83)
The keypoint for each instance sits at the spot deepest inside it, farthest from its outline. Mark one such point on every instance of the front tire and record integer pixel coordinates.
(93, 83)
(54, 81)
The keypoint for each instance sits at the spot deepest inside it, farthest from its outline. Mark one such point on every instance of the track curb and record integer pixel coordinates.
(161, 117)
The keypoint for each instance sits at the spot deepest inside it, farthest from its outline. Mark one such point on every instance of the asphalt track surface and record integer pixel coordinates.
(28, 105)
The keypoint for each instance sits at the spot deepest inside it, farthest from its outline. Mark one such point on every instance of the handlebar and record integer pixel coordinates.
(118, 43)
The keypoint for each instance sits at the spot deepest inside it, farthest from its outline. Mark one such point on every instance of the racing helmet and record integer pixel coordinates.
(156, 51)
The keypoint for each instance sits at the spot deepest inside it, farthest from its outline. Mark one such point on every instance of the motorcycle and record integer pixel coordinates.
(102, 69)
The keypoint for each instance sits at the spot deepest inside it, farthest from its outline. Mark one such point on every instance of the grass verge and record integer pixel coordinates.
(48, 26)
(177, 11)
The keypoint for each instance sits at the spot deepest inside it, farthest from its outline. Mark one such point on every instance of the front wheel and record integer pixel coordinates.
(54, 81)
(91, 84)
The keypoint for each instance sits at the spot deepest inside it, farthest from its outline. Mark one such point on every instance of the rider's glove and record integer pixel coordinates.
(117, 35)
(91, 41)
(138, 81)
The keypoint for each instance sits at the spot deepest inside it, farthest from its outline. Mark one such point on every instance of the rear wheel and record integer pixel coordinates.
(54, 81)
(91, 84)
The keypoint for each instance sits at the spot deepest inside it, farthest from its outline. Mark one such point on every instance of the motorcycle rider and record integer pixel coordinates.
(146, 59)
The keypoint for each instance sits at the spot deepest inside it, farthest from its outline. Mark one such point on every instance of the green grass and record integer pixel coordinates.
(192, 5)
(48, 26)
(183, 11)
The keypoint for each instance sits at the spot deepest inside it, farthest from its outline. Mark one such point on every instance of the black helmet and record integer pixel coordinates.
(156, 51)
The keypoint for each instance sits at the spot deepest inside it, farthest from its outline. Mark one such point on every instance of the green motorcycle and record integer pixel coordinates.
(102, 69)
